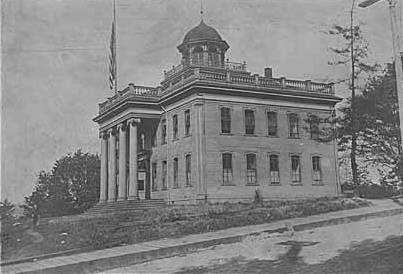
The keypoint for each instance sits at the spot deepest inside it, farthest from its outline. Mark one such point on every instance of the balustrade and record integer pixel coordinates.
(208, 75)
(242, 79)
(235, 66)
(227, 76)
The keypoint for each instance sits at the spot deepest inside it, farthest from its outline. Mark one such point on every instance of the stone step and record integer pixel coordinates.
(123, 206)
(133, 206)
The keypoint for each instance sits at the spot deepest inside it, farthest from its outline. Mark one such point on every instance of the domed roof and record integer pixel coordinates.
(202, 32)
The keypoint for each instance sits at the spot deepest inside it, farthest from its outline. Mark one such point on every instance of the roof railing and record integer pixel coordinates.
(235, 66)
(229, 76)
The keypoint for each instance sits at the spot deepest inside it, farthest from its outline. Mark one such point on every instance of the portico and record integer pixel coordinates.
(119, 162)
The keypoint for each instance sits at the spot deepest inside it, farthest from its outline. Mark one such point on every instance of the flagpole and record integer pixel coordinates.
(115, 50)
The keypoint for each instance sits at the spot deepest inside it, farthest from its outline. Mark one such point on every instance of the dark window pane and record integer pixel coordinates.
(317, 172)
(188, 169)
(272, 123)
(163, 132)
(164, 175)
(227, 160)
(187, 122)
(251, 169)
(249, 121)
(175, 126)
(293, 125)
(154, 177)
(175, 173)
(274, 170)
(140, 184)
(314, 127)
(274, 163)
(227, 168)
(251, 161)
(295, 168)
(225, 120)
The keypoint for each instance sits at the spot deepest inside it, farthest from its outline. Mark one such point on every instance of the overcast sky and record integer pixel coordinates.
(54, 61)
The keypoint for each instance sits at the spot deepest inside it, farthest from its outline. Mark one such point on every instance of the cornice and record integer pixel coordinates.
(229, 89)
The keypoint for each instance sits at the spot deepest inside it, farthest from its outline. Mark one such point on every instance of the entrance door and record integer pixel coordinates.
(141, 178)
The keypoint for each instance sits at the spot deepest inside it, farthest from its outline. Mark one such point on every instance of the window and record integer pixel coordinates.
(249, 121)
(154, 177)
(140, 183)
(214, 60)
(314, 127)
(175, 173)
(154, 140)
(164, 175)
(163, 131)
(197, 56)
(213, 57)
(274, 170)
(251, 169)
(295, 169)
(187, 122)
(175, 126)
(317, 172)
(225, 120)
(272, 123)
(142, 141)
(188, 169)
(293, 125)
(227, 168)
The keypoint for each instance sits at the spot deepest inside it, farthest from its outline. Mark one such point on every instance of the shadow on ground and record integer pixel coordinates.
(365, 257)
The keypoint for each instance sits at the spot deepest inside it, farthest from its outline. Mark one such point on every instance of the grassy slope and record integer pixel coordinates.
(172, 221)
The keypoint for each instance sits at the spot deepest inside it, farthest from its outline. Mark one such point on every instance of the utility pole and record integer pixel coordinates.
(397, 51)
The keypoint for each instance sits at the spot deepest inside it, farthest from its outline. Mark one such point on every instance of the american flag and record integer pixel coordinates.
(113, 80)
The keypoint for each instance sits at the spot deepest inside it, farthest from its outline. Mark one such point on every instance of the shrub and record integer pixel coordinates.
(373, 191)
(97, 236)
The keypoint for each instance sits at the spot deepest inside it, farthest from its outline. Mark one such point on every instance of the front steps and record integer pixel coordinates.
(124, 206)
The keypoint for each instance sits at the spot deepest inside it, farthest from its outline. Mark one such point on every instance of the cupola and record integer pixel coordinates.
(203, 46)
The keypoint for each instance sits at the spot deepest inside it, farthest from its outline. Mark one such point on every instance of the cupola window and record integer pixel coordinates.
(197, 56)
(213, 57)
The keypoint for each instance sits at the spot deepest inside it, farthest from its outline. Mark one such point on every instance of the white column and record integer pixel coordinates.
(103, 189)
(112, 166)
(122, 162)
(133, 193)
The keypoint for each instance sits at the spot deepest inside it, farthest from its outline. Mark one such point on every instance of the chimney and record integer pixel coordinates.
(268, 72)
